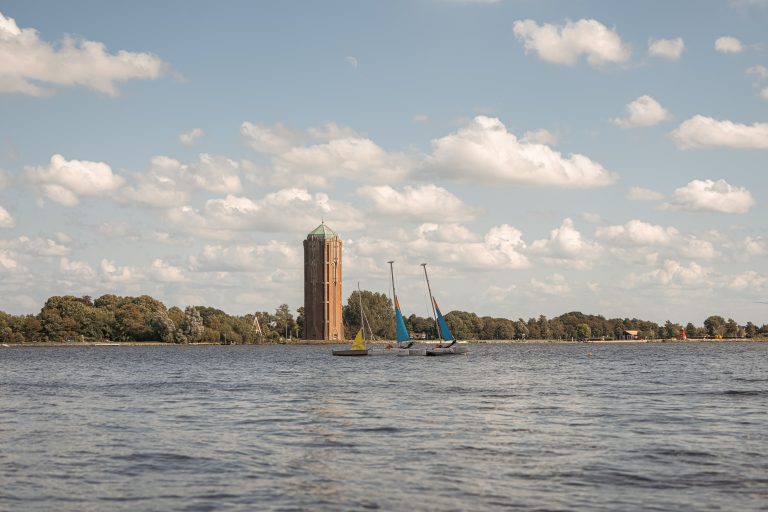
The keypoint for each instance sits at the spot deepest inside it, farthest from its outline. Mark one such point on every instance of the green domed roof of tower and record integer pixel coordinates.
(322, 231)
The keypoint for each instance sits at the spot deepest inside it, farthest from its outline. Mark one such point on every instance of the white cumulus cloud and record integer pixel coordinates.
(6, 219)
(169, 182)
(5, 179)
(349, 157)
(423, 203)
(65, 181)
(484, 151)
(189, 138)
(270, 139)
(551, 285)
(760, 72)
(500, 248)
(696, 248)
(670, 49)
(564, 44)
(728, 44)
(566, 247)
(288, 210)
(75, 268)
(35, 247)
(28, 65)
(113, 273)
(643, 194)
(540, 136)
(710, 196)
(748, 280)
(7, 262)
(164, 272)
(700, 131)
(320, 154)
(674, 274)
(644, 111)
(247, 258)
(639, 233)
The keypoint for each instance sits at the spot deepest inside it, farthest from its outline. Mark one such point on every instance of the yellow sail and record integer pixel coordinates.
(359, 343)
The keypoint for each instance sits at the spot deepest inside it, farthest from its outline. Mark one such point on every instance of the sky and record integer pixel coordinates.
(541, 156)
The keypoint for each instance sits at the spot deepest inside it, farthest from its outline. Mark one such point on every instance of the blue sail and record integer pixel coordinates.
(445, 332)
(402, 332)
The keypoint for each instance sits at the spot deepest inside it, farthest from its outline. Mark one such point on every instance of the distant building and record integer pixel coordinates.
(630, 335)
(322, 285)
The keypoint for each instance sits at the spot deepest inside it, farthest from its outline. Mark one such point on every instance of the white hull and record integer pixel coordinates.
(448, 351)
(404, 352)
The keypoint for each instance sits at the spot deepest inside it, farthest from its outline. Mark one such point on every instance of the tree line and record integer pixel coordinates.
(114, 318)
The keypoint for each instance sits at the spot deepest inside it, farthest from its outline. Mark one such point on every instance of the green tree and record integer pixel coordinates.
(545, 331)
(463, 325)
(533, 329)
(300, 322)
(176, 315)
(164, 327)
(715, 326)
(418, 324)
(583, 332)
(379, 313)
(671, 330)
(521, 329)
(191, 329)
(284, 320)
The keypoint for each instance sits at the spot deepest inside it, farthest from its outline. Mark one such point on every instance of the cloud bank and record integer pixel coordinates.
(484, 151)
(28, 64)
(565, 44)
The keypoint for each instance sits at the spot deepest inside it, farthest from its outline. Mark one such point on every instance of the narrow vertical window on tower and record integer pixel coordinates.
(322, 285)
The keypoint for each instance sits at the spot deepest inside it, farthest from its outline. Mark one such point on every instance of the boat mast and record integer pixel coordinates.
(392, 274)
(362, 315)
(394, 295)
(432, 302)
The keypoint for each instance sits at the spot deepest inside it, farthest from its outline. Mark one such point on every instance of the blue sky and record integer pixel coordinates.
(543, 157)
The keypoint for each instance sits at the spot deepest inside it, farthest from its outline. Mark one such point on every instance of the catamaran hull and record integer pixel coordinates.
(452, 351)
(378, 352)
(350, 353)
(401, 352)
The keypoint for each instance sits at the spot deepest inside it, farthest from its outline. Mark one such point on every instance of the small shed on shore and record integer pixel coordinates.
(630, 335)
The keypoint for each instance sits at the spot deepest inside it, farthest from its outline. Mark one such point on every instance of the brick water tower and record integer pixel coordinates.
(322, 285)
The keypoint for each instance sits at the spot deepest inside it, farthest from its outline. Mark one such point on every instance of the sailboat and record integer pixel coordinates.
(450, 346)
(404, 342)
(358, 344)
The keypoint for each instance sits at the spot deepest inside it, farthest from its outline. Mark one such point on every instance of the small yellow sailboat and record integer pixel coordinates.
(359, 341)
(358, 344)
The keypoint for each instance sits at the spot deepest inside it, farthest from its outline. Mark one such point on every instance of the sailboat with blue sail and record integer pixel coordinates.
(448, 345)
(404, 342)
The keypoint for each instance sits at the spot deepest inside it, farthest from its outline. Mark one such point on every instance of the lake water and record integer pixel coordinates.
(680, 426)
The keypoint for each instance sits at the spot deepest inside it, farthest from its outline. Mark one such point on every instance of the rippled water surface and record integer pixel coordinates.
(679, 426)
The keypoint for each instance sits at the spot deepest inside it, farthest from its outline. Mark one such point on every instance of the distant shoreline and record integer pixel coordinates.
(322, 342)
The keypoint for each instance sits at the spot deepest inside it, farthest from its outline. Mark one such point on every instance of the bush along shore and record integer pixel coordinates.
(143, 320)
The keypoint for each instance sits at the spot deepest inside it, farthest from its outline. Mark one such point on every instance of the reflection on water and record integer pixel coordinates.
(530, 426)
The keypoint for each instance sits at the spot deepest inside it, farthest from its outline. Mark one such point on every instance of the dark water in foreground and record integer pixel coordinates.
(531, 427)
